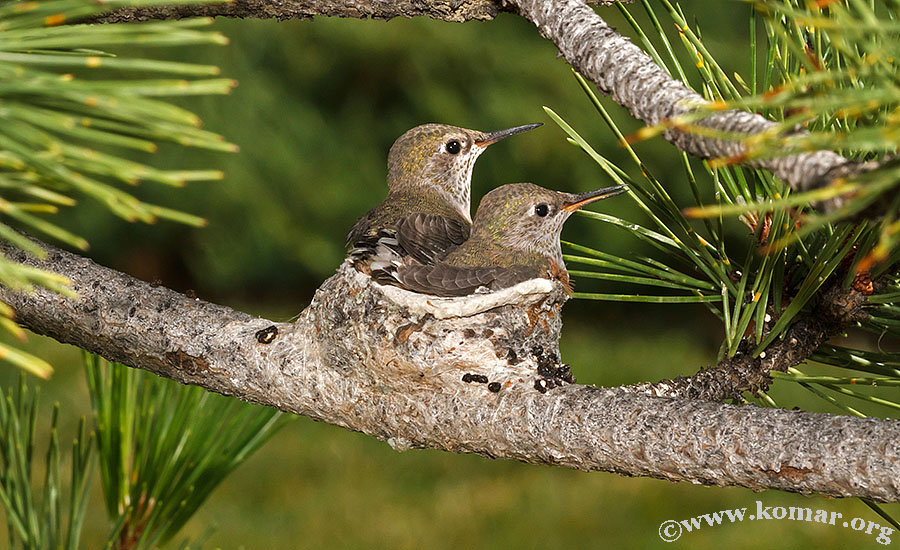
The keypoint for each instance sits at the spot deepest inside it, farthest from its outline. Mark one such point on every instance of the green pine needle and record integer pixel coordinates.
(34, 512)
(165, 447)
(70, 109)
(835, 79)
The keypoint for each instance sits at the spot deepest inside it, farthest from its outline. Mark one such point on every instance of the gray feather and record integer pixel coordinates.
(429, 238)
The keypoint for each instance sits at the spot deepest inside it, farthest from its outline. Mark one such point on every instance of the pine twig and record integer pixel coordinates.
(838, 309)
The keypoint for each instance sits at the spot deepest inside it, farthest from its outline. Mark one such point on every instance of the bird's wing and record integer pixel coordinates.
(429, 238)
(359, 230)
(448, 280)
(373, 247)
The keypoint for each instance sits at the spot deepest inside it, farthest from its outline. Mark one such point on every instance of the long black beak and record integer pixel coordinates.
(494, 137)
(584, 199)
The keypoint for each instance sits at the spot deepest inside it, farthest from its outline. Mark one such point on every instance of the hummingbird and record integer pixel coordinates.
(427, 211)
(515, 237)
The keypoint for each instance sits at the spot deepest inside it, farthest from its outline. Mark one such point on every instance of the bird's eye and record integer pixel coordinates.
(453, 146)
(542, 210)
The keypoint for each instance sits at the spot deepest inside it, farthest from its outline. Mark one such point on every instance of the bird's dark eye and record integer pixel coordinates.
(453, 146)
(542, 210)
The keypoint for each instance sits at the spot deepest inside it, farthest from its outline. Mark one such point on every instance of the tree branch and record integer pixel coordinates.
(445, 10)
(478, 374)
(632, 79)
(838, 309)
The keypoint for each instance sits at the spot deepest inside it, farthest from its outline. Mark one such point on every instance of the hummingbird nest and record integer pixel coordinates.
(493, 342)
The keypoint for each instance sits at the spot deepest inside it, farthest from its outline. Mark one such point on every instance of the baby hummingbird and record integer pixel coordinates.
(515, 237)
(427, 211)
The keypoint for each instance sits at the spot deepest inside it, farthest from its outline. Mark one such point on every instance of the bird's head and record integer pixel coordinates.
(439, 158)
(528, 218)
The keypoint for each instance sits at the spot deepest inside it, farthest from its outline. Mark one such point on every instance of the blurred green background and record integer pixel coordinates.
(317, 107)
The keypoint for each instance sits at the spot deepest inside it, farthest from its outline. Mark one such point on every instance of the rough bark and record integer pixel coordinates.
(479, 374)
(445, 10)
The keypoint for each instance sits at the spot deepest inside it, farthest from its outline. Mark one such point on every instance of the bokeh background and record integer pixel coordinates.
(317, 107)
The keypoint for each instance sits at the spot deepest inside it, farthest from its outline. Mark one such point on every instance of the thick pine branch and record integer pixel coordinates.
(391, 364)
(444, 10)
(632, 79)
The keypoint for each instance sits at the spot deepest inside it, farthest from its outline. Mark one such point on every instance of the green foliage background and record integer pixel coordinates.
(317, 106)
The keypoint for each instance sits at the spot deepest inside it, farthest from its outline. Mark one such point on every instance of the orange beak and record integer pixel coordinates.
(583, 199)
(494, 137)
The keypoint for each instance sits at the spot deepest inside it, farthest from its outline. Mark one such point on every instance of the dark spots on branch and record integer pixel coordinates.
(477, 378)
(559, 373)
(185, 363)
(552, 373)
(267, 335)
(494, 387)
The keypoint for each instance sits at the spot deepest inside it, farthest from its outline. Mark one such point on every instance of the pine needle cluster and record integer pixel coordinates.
(70, 109)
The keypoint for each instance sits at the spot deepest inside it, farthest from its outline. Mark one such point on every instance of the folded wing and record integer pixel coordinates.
(429, 238)
(416, 239)
(448, 280)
